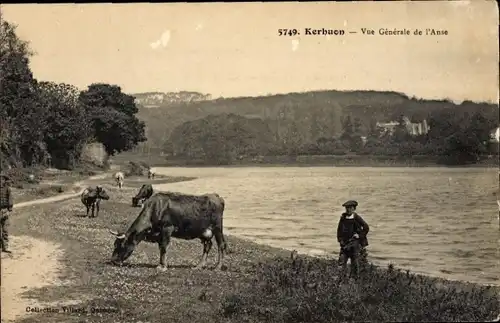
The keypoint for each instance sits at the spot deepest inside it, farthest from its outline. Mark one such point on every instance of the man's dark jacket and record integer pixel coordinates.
(5, 196)
(348, 227)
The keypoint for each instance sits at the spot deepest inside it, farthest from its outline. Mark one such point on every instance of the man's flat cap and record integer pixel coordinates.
(350, 203)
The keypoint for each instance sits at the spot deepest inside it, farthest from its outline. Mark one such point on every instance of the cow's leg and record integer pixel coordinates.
(221, 245)
(97, 207)
(164, 243)
(207, 246)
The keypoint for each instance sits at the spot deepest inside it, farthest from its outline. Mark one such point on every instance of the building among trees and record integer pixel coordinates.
(412, 128)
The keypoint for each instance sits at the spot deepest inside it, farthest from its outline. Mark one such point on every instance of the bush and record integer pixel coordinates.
(136, 169)
(48, 190)
(311, 291)
(88, 168)
(21, 176)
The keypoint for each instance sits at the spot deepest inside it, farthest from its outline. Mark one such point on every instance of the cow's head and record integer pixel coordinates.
(142, 194)
(135, 201)
(123, 247)
(101, 193)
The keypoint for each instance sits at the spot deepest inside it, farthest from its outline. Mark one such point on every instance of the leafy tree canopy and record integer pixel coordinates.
(112, 114)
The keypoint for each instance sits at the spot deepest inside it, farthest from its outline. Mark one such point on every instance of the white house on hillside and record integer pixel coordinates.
(413, 129)
(416, 129)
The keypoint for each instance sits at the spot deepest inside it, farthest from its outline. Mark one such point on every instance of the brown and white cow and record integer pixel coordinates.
(167, 215)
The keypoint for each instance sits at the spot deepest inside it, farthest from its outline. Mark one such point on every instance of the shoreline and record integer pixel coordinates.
(417, 161)
(327, 165)
(333, 256)
(86, 246)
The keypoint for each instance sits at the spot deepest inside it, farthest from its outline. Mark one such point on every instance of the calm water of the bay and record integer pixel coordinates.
(438, 221)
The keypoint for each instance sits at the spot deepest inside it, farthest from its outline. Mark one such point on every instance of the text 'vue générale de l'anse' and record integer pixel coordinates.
(363, 31)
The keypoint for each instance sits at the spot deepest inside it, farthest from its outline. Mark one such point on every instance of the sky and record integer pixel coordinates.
(233, 49)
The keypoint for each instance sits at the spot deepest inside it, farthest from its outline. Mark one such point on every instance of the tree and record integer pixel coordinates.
(400, 131)
(351, 134)
(357, 126)
(22, 119)
(347, 128)
(374, 132)
(459, 138)
(101, 95)
(112, 115)
(293, 139)
(221, 139)
(67, 123)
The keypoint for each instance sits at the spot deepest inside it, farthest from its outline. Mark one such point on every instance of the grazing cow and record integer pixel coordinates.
(91, 198)
(119, 176)
(166, 215)
(144, 193)
(151, 173)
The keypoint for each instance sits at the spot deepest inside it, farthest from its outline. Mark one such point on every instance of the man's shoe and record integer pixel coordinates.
(6, 251)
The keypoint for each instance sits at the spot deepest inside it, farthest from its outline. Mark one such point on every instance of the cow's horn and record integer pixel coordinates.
(121, 236)
(113, 232)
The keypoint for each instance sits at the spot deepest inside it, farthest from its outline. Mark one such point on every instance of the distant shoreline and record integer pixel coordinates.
(157, 160)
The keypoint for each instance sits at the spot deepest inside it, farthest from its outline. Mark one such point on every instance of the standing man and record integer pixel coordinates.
(6, 205)
(351, 234)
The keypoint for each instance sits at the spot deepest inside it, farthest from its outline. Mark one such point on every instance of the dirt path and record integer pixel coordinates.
(62, 197)
(34, 263)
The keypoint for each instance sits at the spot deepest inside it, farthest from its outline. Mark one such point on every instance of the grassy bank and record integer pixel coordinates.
(310, 291)
(36, 182)
(154, 158)
(46, 182)
(261, 284)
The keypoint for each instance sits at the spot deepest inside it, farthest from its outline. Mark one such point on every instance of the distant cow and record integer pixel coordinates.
(166, 215)
(151, 173)
(144, 193)
(91, 198)
(119, 177)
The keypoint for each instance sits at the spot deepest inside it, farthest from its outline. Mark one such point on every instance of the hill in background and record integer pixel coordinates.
(313, 115)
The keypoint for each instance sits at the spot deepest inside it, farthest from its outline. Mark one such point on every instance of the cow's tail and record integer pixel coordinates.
(223, 205)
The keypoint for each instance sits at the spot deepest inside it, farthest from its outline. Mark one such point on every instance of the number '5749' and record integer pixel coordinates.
(287, 32)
